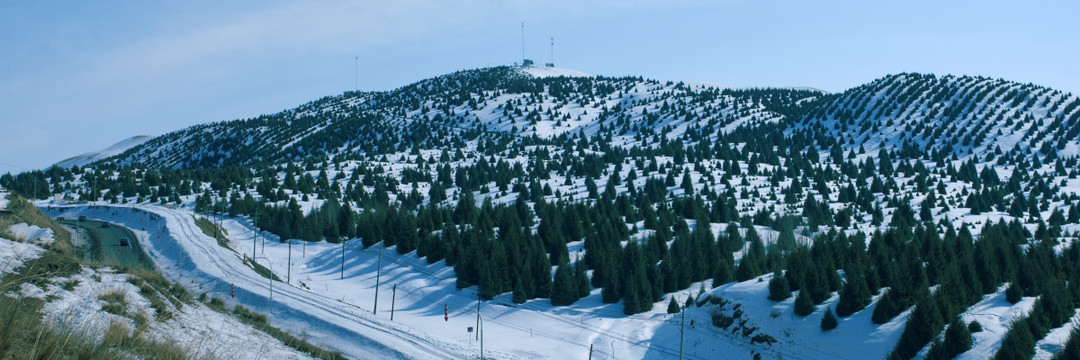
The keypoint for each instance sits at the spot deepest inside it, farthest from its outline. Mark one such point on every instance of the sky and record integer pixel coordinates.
(78, 76)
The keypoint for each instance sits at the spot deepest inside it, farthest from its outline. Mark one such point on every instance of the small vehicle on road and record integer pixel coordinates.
(124, 242)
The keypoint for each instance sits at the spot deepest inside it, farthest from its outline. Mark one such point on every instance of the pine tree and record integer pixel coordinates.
(636, 290)
(828, 321)
(519, 296)
(1014, 293)
(803, 304)
(778, 287)
(673, 306)
(854, 296)
(724, 270)
(753, 261)
(687, 184)
(581, 279)
(957, 339)
(563, 290)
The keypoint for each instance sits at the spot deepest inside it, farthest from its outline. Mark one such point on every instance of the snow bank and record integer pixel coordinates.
(32, 234)
(80, 309)
(13, 254)
(201, 331)
(4, 201)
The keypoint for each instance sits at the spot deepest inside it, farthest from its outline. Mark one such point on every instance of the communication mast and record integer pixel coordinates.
(552, 63)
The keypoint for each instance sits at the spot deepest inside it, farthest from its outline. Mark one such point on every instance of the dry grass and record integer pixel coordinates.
(23, 212)
(210, 229)
(23, 334)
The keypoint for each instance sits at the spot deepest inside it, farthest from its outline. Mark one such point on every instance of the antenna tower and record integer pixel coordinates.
(523, 42)
(553, 51)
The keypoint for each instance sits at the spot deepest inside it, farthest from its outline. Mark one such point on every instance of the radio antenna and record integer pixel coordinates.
(552, 51)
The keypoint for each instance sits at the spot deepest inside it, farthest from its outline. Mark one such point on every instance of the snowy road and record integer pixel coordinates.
(185, 254)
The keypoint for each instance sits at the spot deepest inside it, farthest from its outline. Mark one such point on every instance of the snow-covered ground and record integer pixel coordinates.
(32, 234)
(13, 254)
(545, 71)
(74, 304)
(333, 304)
(995, 315)
(194, 327)
(4, 201)
(115, 149)
(1055, 341)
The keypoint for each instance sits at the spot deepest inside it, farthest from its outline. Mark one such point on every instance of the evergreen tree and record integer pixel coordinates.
(753, 261)
(581, 280)
(519, 296)
(828, 321)
(1014, 293)
(687, 184)
(778, 287)
(855, 296)
(803, 304)
(673, 306)
(957, 339)
(922, 326)
(564, 290)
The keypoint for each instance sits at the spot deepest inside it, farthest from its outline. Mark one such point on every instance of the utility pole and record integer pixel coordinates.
(393, 299)
(590, 351)
(343, 258)
(479, 330)
(682, 329)
(254, 234)
(378, 274)
(288, 272)
(271, 277)
(478, 314)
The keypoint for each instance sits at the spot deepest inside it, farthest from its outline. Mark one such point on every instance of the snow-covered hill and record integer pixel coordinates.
(115, 149)
(905, 206)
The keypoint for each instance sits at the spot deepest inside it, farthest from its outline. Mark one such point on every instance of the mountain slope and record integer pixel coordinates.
(919, 115)
(110, 151)
(494, 104)
(904, 205)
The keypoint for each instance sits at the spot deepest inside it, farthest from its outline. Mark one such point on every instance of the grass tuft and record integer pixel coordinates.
(212, 230)
(259, 321)
(115, 303)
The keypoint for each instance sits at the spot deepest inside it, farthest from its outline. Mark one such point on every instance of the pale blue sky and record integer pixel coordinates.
(77, 76)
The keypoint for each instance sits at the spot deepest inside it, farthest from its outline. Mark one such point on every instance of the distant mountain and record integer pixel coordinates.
(489, 103)
(913, 114)
(115, 149)
(941, 116)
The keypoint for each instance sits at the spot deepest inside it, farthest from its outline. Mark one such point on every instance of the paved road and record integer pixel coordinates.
(104, 245)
